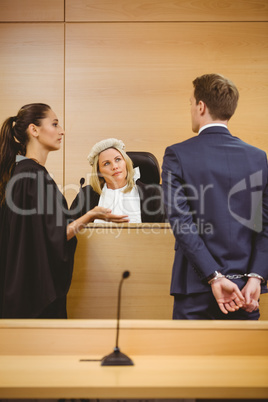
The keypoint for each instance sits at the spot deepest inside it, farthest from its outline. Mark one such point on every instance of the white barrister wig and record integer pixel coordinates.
(102, 146)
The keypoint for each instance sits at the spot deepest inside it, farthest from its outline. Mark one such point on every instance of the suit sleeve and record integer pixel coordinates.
(181, 219)
(259, 261)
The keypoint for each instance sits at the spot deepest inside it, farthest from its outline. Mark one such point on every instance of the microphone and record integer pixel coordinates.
(117, 358)
(82, 181)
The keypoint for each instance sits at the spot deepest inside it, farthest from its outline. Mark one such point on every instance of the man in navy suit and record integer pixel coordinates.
(216, 197)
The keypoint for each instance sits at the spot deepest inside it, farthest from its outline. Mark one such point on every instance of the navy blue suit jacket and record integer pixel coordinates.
(216, 198)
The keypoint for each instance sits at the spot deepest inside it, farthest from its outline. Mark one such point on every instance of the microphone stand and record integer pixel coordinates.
(117, 358)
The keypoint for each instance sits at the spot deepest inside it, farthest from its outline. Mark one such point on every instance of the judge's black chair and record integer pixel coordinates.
(148, 164)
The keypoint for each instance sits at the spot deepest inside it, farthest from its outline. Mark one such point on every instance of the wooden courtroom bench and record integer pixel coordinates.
(172, 359)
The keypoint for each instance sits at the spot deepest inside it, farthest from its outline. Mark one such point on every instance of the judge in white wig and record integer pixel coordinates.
(115, 184)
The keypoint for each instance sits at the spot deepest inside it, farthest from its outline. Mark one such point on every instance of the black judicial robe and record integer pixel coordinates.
(36, 260)
(151, 202)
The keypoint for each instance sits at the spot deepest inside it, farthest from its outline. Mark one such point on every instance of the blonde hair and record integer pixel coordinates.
(96, 181)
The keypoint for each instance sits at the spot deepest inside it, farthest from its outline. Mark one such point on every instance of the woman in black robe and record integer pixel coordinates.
(37, 243)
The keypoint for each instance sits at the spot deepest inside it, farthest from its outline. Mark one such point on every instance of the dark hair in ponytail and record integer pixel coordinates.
(14, 139)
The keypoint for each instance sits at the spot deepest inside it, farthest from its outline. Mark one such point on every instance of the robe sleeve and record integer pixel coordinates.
(85, 200)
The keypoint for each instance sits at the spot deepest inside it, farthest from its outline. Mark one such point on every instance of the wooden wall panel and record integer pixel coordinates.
(32, 70)
(31, 10)
(167, 10)
(264, 306)
(133, 81)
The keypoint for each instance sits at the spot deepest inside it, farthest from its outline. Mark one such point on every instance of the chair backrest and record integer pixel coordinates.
(148, 164)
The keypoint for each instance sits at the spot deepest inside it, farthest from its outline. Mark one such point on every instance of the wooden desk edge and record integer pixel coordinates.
(135, 324)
